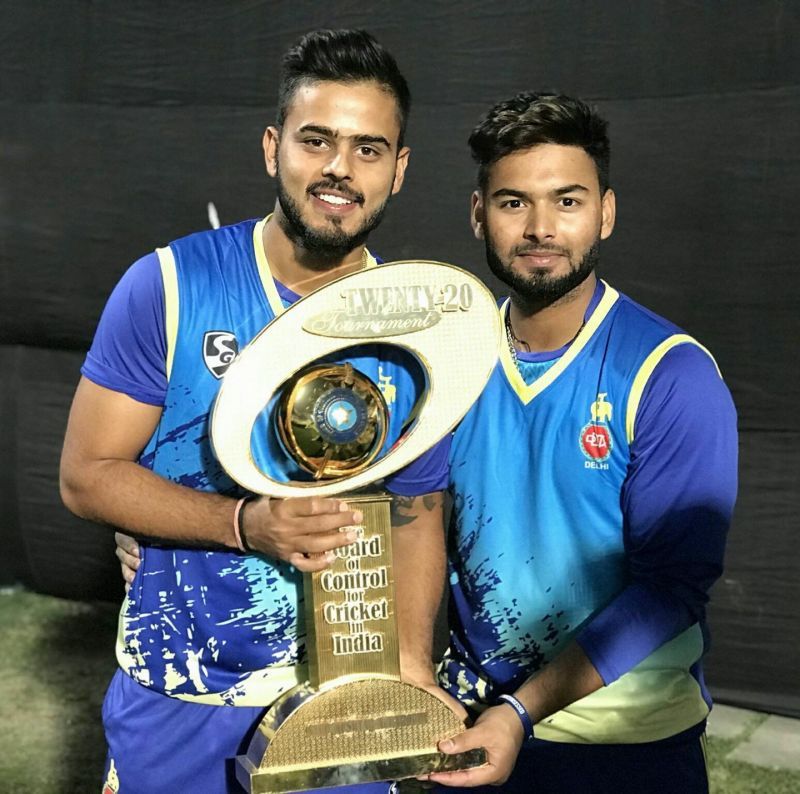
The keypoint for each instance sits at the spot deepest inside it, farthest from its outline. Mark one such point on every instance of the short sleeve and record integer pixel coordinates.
(128, 353)
(429, 472)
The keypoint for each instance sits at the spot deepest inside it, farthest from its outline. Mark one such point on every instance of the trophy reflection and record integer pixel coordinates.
(354, 720)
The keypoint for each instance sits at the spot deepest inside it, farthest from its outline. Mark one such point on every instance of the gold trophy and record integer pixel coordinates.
(354, 720)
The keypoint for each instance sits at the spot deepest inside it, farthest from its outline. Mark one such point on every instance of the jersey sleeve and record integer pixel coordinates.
(128, 353)
(677, 501)
(429, 472)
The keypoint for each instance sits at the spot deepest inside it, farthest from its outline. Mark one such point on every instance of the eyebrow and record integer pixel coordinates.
(570, 189)
(329, 133)
(507, 191)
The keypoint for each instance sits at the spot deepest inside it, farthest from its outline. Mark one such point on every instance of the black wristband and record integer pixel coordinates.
(240, 523)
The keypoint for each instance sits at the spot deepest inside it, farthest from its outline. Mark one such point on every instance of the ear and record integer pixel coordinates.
(477, 214)
(609, 209)
(400, 169)
(270, 143)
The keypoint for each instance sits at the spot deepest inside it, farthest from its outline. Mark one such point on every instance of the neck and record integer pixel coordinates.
(298, 269)
(548, 327)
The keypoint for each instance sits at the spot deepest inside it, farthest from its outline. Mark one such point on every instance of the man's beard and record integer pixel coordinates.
(331, 245)
(538, 289)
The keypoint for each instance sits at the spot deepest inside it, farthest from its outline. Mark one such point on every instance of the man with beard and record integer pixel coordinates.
(209, 630)
(593, 486)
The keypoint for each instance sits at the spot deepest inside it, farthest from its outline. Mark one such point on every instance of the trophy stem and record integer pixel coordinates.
(350, 611)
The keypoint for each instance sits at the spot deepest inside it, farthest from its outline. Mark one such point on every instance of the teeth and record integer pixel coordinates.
(333, 199)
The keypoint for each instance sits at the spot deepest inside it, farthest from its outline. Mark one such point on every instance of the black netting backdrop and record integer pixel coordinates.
(121, 122)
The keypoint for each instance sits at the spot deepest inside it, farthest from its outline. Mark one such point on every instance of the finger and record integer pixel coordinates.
(319, 543)
(127, 543)
(328, 522)
(310, 564)
(481, 776)
(309, 506)
(128, 575)
(128, 560)
(336, 510)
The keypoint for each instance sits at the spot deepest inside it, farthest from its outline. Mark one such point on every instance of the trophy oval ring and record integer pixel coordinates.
(443, 315)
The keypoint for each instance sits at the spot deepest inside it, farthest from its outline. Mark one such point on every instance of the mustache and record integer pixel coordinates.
(330, 184)
(527, 250)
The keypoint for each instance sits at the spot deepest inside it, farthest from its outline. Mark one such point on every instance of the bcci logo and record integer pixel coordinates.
(595, 440)
(219, 350)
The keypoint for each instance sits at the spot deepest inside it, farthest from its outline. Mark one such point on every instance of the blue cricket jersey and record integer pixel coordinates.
(216, 627)
(592, 494)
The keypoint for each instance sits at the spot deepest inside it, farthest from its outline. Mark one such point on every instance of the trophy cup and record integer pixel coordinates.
(354, 720)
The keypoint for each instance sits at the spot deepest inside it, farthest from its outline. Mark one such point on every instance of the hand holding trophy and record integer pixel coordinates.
(354, 720)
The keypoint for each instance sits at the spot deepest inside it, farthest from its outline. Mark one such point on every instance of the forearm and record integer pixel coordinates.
(124, 494)
(569, 677)
(419, 570)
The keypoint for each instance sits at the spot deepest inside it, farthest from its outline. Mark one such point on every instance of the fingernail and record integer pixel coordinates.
(330, 556)
(350, 535)
(446, 746)
(358, 517)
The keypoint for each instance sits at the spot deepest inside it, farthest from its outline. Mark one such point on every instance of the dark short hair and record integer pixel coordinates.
(530, 119)
(345, 56)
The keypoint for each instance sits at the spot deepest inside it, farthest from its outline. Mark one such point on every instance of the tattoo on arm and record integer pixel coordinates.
(405, 509)
(399, 512)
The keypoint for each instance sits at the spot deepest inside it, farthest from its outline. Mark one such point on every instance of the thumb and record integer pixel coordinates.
(460, 743)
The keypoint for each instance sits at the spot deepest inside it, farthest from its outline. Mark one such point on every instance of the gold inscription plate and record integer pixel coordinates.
(355, 720)
(351, 604)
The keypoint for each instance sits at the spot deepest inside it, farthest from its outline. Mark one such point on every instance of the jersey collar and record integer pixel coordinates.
(527, 392)
(268, 281)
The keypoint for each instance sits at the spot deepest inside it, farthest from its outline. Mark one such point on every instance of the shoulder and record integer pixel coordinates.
(675, 374)
(139, 288)
(218, 240)
(629, 311)
(683, 387)
(231, 231)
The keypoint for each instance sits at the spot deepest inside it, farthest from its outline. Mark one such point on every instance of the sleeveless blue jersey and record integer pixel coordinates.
(537, 545)
(218, 626)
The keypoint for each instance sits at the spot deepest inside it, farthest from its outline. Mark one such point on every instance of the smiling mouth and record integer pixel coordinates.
(335, 201)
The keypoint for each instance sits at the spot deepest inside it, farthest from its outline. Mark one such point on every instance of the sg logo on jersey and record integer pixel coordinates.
(595, 440)
(219, 350)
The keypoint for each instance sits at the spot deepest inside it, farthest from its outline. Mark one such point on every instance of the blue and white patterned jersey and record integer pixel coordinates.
(592, 495)
(218, 626)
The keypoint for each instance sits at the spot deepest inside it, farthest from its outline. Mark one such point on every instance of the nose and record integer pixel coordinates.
(338, 166)
(541, 224)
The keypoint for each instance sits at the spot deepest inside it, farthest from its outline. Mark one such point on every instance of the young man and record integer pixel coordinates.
(593, 486)
(210, 634)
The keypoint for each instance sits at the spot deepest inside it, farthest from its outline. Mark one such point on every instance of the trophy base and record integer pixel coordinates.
(268, 781)
(352, 731)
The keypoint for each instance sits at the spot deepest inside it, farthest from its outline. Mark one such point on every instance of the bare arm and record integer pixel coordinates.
(418, 552)
(101, 480)
(569, 677)
(419, 566)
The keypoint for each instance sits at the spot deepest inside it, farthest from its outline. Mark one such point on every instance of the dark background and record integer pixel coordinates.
(119, 122)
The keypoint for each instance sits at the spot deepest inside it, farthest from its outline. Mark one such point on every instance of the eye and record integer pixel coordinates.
(314, 143)
(367, 151)
(569, 202)
(511, 204)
